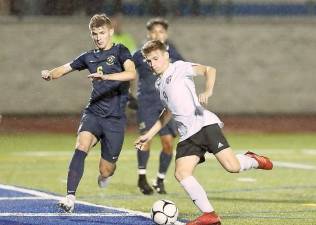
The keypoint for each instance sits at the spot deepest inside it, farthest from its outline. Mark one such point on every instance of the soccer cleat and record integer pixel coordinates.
(102, 181)
(67, 203)
(144, 186)
(159, 186)
(210, 218)
(264, 162)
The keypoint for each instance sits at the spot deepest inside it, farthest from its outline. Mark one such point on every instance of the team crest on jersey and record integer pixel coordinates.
(110, 60)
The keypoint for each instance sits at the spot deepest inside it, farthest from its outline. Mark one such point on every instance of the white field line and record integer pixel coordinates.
(45, 195)
(309, 151)
(67, 214)
(293, 165)
(22, 198)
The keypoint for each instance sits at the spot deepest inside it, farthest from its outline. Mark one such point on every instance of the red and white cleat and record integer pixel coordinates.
(210, 218)
(264, 162)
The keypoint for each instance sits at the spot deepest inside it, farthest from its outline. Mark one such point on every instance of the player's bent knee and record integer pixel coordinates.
(107, 171)
(181, 174)
(82, 147)
(168, 150)
(232, 168)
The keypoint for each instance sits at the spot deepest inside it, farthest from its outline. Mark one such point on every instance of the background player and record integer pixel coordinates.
(104, 118)
(150, 107)
(199, 129)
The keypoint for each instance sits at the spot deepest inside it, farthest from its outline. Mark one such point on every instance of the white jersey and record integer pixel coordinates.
(177, 92)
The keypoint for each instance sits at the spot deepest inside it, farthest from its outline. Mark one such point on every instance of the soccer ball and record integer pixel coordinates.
(164, 212)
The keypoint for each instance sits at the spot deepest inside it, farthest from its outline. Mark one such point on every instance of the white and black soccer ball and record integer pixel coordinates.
(164, 212)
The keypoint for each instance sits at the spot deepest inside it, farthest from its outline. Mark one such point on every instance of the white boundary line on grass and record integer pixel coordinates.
(294, 165)
(50, 196)
(66, 214)
(22, 198)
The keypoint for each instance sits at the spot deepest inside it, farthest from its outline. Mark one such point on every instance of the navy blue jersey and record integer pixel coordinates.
(108, 98)
(146, 90)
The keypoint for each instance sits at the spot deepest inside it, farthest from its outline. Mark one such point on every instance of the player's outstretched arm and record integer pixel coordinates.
(210, 74)
(164, 118)
(128, 74)
(56, 72)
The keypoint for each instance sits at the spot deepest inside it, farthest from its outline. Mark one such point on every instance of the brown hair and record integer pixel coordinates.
(153, 45)
(157, 21)
(99, 20)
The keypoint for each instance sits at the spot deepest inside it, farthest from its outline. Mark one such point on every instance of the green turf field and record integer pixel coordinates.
(285, 195)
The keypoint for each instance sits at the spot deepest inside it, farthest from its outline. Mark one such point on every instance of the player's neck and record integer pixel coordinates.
(166, 69)
(107, 47)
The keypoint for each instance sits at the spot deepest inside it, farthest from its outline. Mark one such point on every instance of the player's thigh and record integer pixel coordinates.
(85, 141)
(112, 138)
(146, 117)
(213, 138)
(189, 148)
(89, 131)
(228, 160)
(185, 166)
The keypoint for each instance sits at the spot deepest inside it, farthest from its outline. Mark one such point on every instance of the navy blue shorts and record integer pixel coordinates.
(108, 130)
(147, 117)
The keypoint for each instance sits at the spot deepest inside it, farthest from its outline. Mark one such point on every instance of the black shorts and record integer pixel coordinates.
(108, 130)
(209, 139)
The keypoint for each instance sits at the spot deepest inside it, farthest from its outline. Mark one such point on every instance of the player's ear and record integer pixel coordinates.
(111, 31)
(166, 54)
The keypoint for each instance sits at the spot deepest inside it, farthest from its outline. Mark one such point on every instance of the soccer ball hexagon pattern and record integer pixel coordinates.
(164, 212)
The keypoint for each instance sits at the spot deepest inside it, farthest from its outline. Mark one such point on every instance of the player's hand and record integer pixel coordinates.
(203, 98)
(141, 142)
(97, 76)
(46, 75)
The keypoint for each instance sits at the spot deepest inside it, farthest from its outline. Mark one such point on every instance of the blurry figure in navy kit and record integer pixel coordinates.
(103, 120)
(150, 107)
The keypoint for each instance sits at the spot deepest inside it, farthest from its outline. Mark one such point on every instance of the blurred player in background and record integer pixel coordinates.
(150, 107)
(103, 119)
(121, 37)
(199, 129)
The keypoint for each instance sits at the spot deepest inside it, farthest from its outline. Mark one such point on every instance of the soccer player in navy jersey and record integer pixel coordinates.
(111, 68)
(199, 129)
(150, 107)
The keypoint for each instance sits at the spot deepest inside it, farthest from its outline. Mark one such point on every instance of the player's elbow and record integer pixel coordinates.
(210, 70)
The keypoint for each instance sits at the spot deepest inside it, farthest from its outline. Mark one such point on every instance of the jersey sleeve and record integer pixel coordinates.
(187, 68)
(79, 63)
(124, 54)
(137, 57)
(190, 69)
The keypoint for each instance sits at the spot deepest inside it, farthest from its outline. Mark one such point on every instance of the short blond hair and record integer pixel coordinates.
(153, 45)
(99, 20)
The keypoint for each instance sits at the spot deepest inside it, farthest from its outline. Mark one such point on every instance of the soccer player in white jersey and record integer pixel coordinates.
(199, 129)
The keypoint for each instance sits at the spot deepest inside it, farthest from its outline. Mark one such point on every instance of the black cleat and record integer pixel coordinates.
(144, 186)
(159, 186)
